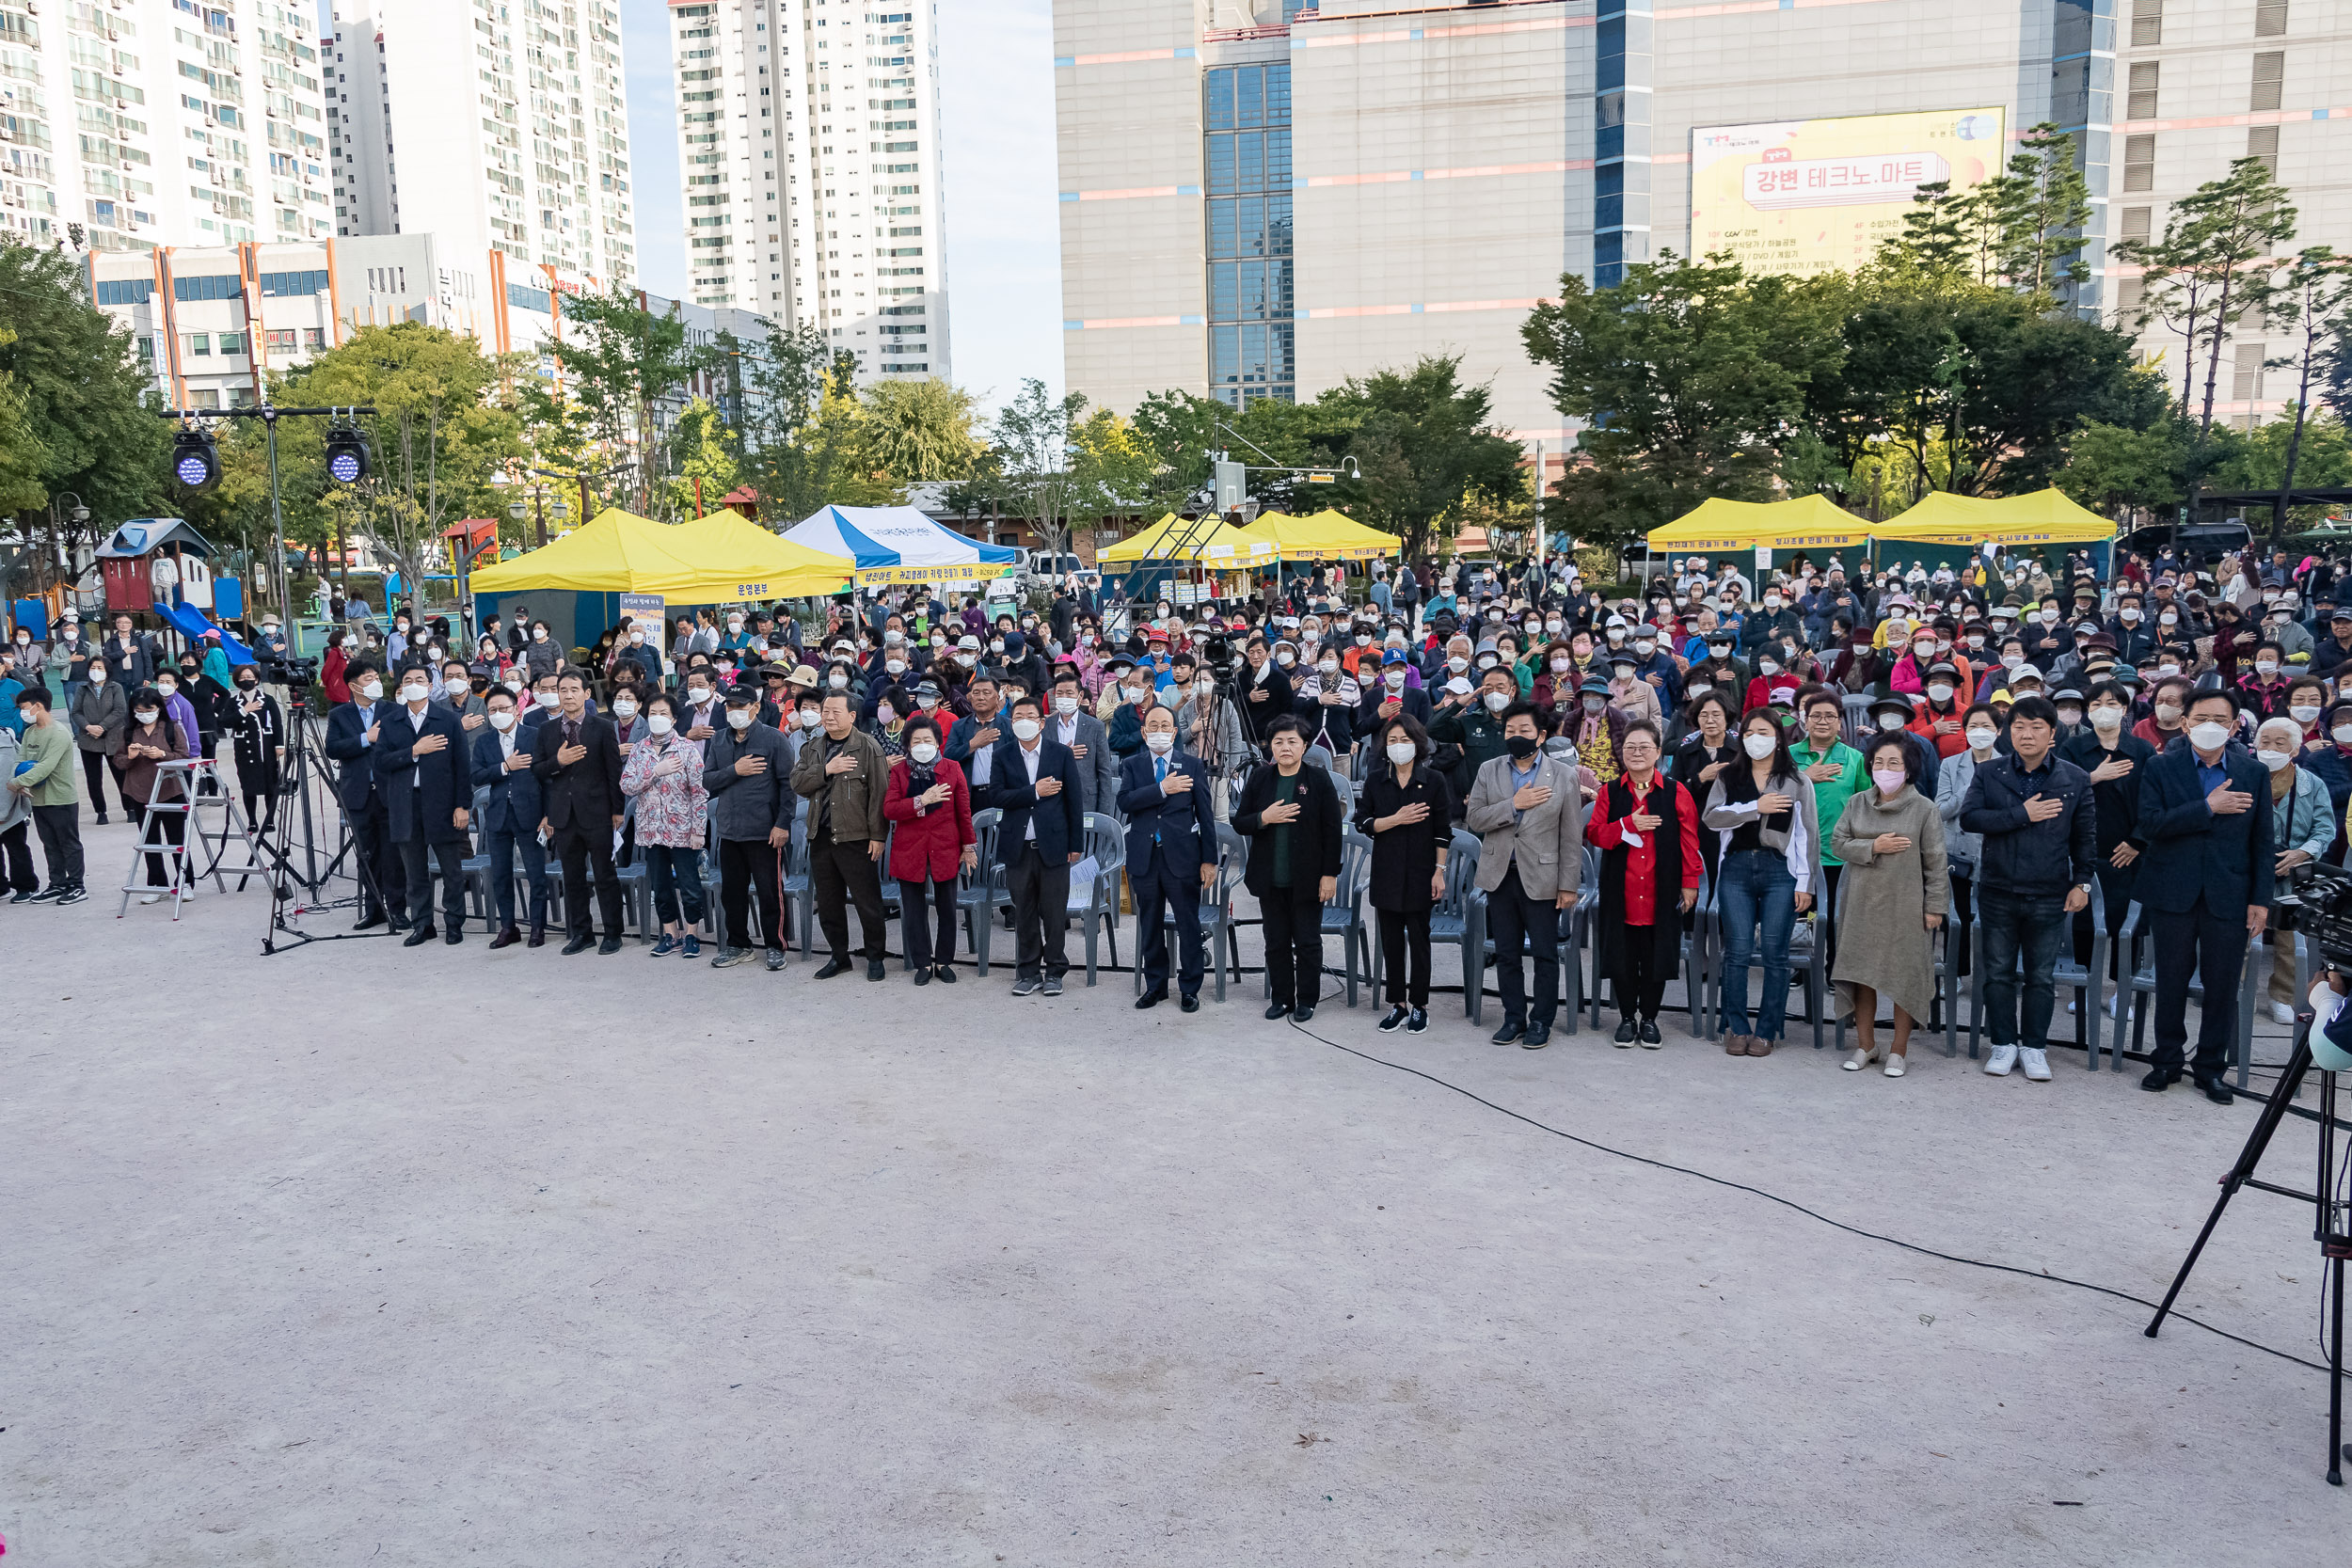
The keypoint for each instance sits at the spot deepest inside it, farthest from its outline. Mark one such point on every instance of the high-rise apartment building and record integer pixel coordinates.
(1260, 198)
(808, 143)
(491, 124)
(125, 124)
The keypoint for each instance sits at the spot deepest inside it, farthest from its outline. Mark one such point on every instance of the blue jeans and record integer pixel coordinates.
(1757, 886)
(674, 874)
(2034, 925)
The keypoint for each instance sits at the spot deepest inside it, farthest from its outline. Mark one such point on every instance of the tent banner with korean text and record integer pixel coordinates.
(1800, 196)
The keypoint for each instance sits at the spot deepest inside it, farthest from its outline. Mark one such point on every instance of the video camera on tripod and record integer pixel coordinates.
(2323, 895)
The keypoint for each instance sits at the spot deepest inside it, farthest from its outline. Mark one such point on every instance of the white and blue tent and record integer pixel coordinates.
(899, 544)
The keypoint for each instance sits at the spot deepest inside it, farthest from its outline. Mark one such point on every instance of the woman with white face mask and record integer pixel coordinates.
(664, 779)
(1890, 900)
(1406, 810)
(1770, 860)
(929, 802)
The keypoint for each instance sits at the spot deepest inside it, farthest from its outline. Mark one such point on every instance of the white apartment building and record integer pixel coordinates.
(1261, 197)
(809, 142)
(508, 119)
(125, 124)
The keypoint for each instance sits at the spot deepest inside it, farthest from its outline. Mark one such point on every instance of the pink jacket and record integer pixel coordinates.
(675, 811)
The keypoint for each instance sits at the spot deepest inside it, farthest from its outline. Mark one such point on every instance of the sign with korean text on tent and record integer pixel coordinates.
(644, 612)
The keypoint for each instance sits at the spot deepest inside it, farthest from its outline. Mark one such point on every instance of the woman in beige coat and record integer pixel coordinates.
(1892, 895)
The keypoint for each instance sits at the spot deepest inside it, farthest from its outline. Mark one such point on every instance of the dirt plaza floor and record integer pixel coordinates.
(365, 1255)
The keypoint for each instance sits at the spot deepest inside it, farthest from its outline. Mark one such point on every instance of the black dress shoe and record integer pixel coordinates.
(507, 937)
(420, 936)
(876, 969)
(1191, 1001)
(1511, 1029)
(538, 933)
(1626, 1031)
(947, 973)
(2216, 1091)
(369, 921)
(578, 944)
(451, 937)
(399, 923)
(1303, 1013)
(1276, 1009)
(609, 946)
(1152, 998)
(2158, 1080)
(832, 967)
(1537, 1036)
(1396, 1021)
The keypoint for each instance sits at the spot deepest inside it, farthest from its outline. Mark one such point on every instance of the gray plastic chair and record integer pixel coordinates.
(979, 894)
(1095, 904)
(1223, 949)
(1459, 920)
(1343, 918)
(799, 892)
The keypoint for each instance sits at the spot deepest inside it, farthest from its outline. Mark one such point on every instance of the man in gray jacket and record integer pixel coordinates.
(747, 773)
(1089, 739)
(1529, 815)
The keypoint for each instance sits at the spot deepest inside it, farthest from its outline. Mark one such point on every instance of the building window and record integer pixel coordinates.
(232, 342)
(2270, 18)
(2140, 162)
(313, 338)
(2136, 224)
(278, 340)
(2146, 24)
(1246, 184)
(129, 291)
(2142, 103)
(2246, 380)
(197, 345)
(2261, 141)
(2270, 74)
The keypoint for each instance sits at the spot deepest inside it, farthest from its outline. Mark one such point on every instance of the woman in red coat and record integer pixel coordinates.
(331, 669)
(930, 802)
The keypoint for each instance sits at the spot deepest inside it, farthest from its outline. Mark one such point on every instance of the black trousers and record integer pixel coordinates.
(1824, 917)
(1642, 988)
(1293, 942)
(16, 858)
(922, 906)
(95, 766)
(749, 870)
(415, 854)
(1041, 915)
(1403, 932)
(2193, 941)
(260, 788)
(1512, 915)
(587, 856)
(382, 879)
(1165, 896)
(503, 848)
(843, 874)
(60, 830)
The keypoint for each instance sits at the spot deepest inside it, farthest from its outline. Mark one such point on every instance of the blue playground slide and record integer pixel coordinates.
(192, 625)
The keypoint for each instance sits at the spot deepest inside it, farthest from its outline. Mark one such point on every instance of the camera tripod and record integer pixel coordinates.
(2332, 1227)
(310, 887)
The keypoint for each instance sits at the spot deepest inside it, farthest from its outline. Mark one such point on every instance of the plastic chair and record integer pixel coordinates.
(1460, 919)
(1223, 949)
(1095, 906)
(2086, 980)
(1343, 918)
(979, 894)
(2143, 983)
(799, 891)
(476, 865)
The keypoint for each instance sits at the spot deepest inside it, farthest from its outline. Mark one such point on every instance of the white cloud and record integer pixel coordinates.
(1004, 246)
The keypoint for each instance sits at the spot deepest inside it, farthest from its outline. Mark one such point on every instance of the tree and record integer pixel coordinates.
(2297, 449)
(2111, 466)
(1179, 429)
(1424, 447)
(804, 432)
(2314, 304)
(704, 450)
(2016, 228)
(1112, 468)
(1689, 376)
(2212, 265)
(1035, 441)
(921, 431)
(615, 362)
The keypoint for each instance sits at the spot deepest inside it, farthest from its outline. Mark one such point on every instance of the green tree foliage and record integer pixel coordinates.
(614, 361)
(2115, 466)
(2022, 228)
(1035, 446)
(1689, 376)
(77, 409)
(1425, 446)
(703, 449)
(2311, 305)
(922, 430)
(2214, 262)
(805, 440)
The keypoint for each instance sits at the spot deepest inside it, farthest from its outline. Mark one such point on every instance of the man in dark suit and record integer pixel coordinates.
(1172, 855)
(1034, 781)
(424, 770)
(577, 757)
(2205, 880)
(511, 818)
(351, 736)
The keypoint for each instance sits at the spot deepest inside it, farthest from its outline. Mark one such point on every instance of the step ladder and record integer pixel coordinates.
(198, 779)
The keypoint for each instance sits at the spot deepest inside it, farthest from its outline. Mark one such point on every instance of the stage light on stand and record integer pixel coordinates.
(195, 461)
(347, 455)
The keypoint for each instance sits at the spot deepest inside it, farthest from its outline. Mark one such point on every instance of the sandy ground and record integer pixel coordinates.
(359, 1255)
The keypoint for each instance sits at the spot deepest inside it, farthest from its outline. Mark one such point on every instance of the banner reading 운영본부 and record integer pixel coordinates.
(1810, 195)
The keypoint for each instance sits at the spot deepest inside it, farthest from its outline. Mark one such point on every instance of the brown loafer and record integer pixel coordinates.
(1735, 1045)
(1758, 1046)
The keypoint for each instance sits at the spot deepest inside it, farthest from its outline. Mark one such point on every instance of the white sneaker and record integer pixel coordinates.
(2037, 1064)
(2003, 1058)
(2069, 1008)
(188, 890)
(1895, 1065)
(151, 898)
(2281, 1013)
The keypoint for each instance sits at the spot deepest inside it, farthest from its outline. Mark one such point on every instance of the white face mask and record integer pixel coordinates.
(2274, 760)
(1697, 688)
(924, 751)
(2168, 670)
(373, 691)
(695, 694)
(740, 717)
(1767, 667)
(1497, 701)
(1561, 666)
(2129, 614)
(546, 700)
(1065, 705)
(895, 666)
(839, 680)
(2303, 713)
(147, 716)
(415, 693)
(1889, 778)
(637, 637)
(1161, 741)
(1940, 692)
(2167, 619)
(1396, 679)
(2265, 666)
(502, 720)
(1771, 601)
(1285, 658)
(1891, 720)
(1645, 648)
(660, 723)
(810, 719)
(2208, 736)
(2106, 718)
(538, 634)
(2168, 713)
(513, 683)
(624, 707)
(1402, 752)
(1457, 664)
(1024, 729)
(1982, 739)
(2342, 733)
(1757, 746)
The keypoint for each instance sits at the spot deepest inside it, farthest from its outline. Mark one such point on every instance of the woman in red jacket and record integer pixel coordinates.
(331, 668)
(931, 801)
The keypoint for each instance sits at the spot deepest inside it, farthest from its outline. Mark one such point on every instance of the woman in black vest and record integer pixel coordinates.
(1406, 810)
(1646, 827)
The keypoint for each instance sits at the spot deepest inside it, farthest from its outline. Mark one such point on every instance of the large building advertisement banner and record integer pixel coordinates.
(1810, 195)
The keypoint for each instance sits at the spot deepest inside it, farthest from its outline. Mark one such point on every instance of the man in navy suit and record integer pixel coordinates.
(510, 817)
(351, 735)
(1171, 854)
(424, 769)
(2205, 880)
(1033, 781)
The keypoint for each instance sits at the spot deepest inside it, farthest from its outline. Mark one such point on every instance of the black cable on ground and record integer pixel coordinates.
(1809, 1214)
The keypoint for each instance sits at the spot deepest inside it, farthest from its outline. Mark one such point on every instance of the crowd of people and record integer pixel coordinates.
(2172, 734)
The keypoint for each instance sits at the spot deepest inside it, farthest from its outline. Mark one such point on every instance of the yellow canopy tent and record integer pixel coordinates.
(2045, 517)
(1716, 527)
(740, 560)
(617, 552)
(1328, 535)
(1211, 543)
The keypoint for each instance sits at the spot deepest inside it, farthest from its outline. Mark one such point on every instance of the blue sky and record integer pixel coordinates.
(996, 95)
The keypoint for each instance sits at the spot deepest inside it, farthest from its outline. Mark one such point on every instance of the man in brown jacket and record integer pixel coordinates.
(844, 775)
